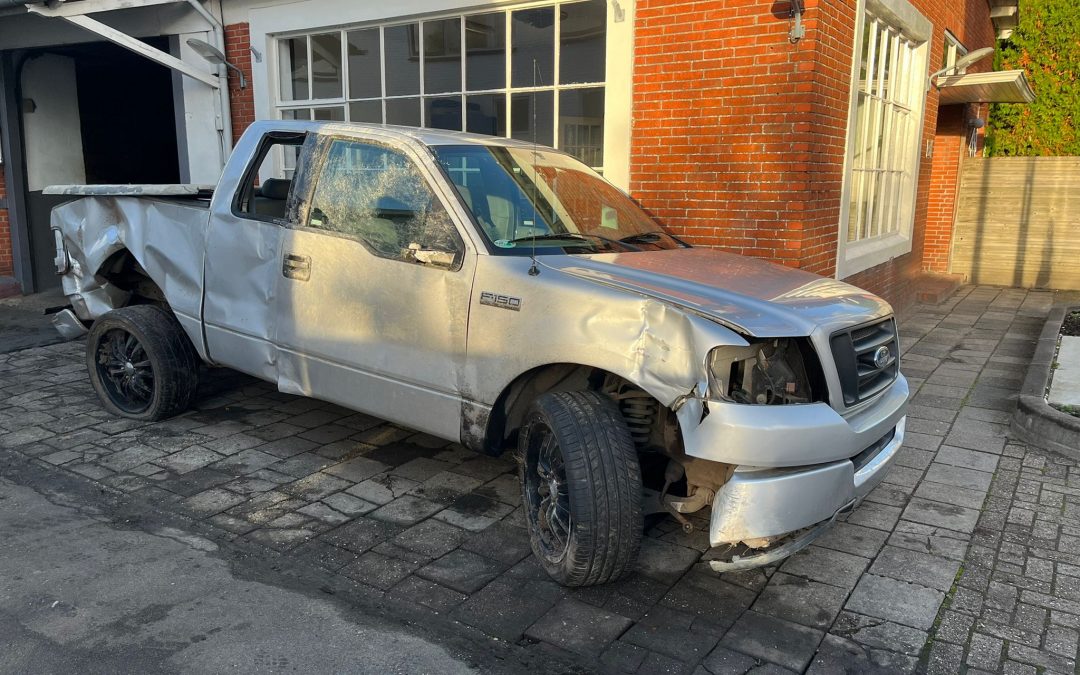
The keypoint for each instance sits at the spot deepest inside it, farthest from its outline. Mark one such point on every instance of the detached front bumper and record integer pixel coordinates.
(796, 466)
(757, 503)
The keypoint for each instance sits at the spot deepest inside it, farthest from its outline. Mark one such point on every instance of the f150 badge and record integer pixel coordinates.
(503, 301)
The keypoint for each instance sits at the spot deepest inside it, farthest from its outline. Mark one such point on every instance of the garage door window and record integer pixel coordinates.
(533, 73)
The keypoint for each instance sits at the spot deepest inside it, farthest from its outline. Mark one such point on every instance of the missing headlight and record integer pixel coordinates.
(767, 372)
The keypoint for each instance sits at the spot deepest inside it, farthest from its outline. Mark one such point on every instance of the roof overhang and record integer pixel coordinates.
(1005, 86)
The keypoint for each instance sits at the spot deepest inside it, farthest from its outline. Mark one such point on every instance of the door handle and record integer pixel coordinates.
(296, 267)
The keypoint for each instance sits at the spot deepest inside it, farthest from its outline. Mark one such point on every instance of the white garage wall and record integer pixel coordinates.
(51, 133)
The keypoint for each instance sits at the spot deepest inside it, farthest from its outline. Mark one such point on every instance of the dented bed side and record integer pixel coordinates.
(166, 238)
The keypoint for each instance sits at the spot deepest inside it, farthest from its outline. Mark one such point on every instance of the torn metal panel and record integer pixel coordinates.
(164, 237)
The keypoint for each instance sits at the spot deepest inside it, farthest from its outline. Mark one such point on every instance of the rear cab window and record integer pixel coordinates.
(266, 190)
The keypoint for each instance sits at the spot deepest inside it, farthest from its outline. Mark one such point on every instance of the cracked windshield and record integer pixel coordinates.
(523, 198)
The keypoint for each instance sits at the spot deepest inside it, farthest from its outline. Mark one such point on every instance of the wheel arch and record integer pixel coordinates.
(491, 430)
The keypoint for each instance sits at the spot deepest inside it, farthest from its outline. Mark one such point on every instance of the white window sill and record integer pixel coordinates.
(859, 256)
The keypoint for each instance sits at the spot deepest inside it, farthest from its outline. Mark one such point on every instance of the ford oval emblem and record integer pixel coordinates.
(881, 357)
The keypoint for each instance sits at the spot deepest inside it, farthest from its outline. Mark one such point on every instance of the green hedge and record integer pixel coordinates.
(1046, 45)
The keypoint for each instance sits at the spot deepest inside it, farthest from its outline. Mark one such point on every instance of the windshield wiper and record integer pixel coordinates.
(652, 237)
(555, 236)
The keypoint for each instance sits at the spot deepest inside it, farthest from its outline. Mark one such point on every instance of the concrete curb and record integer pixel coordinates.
(1035, 421)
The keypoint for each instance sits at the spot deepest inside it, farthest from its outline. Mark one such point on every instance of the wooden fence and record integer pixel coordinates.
(1018, 222)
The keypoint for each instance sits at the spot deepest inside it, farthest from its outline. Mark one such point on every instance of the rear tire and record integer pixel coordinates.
(581, 487)
(141, 363)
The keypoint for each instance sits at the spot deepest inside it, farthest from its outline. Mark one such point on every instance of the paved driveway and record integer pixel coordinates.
(969, 553)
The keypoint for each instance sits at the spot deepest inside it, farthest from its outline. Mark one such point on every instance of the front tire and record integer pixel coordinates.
(581, 487)
(142, 365)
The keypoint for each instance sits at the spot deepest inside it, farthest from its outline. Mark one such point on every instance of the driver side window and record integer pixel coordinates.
(378, 196)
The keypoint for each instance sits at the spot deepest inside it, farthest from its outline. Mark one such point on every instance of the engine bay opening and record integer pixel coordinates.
(776, 371)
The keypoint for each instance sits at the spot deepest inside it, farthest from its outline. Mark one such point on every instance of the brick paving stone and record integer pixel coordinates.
(361, 534)
(959, 476)
(917, 567)
(432, 538)
(662, 630)
(316, 486)
(948, 516)
(188, 459)
(420, 469)
(382, 489)
(707, 595)
(663, 561)
(905, 603)
(300, 466)
(507, 606)
(775, 640)
(431, 595)
(838, 655)
(878, 516)
(877, 634)
(827, 566)
(474, 512)
(348, 504)
(800, 600)
(358, 470)
(405, 510)
(445, 486)
(213, 501)
(378, 570)
(245, 462)
(578, 628)
(324, 513)
(501, 541)
(623, 657)
(462, 571)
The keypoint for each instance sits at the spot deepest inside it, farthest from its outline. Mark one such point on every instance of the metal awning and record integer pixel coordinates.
(1005, 86)
(1005, 14)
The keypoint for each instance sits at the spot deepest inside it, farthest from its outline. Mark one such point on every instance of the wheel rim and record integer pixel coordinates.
(124, 369)
(548, 494)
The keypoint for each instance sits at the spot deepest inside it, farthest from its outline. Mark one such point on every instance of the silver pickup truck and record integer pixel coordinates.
(504, 296)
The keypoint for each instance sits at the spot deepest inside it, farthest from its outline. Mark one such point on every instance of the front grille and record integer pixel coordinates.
(855, 351)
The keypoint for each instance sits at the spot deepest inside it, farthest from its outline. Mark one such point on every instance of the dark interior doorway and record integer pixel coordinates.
(126, 130)
(126, 110)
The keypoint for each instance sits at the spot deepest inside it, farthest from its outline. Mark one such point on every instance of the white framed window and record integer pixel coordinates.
(466, 71)
(884, 139)
(952, 50)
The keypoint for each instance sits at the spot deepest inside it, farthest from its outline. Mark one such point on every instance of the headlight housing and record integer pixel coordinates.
(767, 372)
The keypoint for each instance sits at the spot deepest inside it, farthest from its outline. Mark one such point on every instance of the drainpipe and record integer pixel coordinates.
(223, 75)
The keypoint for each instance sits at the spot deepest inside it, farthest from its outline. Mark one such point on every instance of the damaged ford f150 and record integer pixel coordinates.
(504, 296)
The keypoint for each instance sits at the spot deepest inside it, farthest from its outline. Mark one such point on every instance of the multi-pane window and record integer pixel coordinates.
(535, 73)
(950, 52)
(884, 134)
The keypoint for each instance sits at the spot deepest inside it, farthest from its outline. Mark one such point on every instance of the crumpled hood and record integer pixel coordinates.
(747, 294)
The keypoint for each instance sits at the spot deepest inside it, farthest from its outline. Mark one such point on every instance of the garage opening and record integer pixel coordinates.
(92, 113)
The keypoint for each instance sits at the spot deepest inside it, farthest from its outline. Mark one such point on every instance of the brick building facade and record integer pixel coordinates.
(728, 124)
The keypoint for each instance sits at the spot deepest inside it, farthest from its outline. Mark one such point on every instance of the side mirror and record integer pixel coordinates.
(428, 256)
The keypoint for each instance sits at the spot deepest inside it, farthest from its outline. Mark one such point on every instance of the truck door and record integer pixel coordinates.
(373, 303)
(249, 216)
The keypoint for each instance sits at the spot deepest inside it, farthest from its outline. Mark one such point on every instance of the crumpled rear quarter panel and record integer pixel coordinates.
(165, 237)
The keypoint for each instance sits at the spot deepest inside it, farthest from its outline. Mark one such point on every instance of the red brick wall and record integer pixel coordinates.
(722, 150)
(949, 148)
(6, 261)
(738, 137)
(241, 101)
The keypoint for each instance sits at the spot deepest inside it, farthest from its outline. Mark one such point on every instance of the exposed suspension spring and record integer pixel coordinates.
(639, 410)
